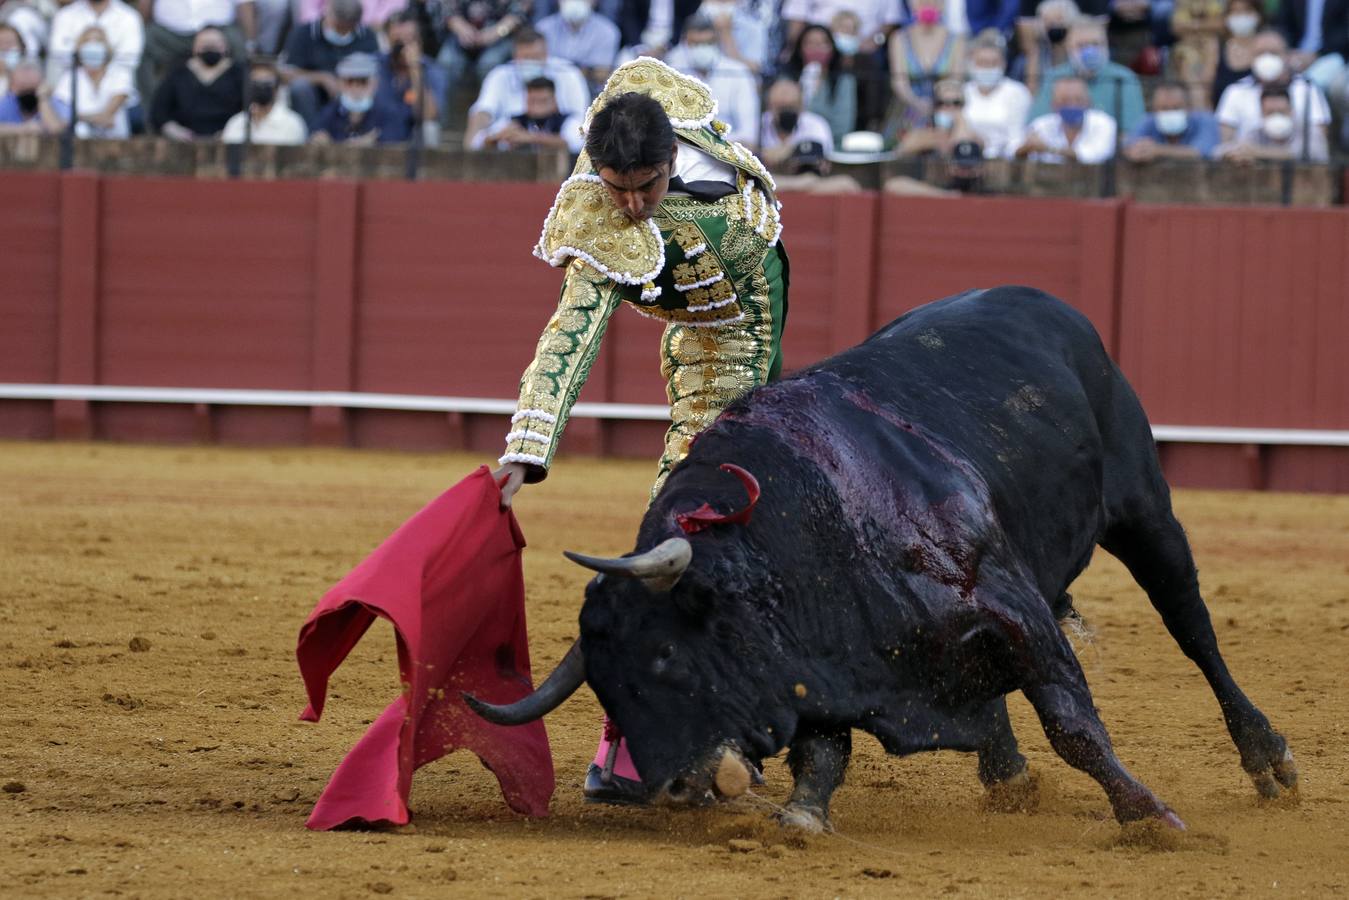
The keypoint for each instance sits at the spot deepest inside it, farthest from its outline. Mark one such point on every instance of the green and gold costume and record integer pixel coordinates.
(713, 269)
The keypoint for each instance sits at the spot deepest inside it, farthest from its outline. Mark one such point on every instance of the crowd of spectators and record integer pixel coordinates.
(800, 81)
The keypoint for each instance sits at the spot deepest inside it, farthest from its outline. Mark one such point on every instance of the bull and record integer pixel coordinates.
(928, 497)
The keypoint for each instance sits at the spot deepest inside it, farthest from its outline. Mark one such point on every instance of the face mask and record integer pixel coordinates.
(1243, 24)
(716, 10)
(847, 44)
(575, 12)
(986, 77)
(341, 40)
(264, 92)
(929, 15)
(210, 58)
(943, 120)
(27, 102)
(94, 55)
(357, 104)
(704, 57)
(11, 58)
(1073, 116)
(1267, 67)
(1277, 127)
(1090, 58)
(1172, 122)
(1056, 33)
(529, 69)
(787, 119)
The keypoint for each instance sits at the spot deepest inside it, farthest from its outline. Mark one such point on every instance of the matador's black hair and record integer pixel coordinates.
(631, 132)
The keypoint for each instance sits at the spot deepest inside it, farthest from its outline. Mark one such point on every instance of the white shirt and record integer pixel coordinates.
(95, 98)
(1239, 106)
(692, 164)
(191, 16)
(281, 125)
(734, 87)
(503, 90)
(121, 23)
(592, 45)
(809, 127)
(875, 14)
(1095, 142)
(998, 117)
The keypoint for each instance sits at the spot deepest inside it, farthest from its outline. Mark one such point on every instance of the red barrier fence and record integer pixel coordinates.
(1224, 317)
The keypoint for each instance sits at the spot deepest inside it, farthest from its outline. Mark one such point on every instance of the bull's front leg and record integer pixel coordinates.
(817, 761)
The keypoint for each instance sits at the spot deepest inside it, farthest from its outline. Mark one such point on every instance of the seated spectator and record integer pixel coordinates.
(479, 35)
(965, 168)
(733, 85)
(828, 89)
(867, 69)
(504, 91)
(1313, 28)
(879, 19)
(1129, 34)
(1073, 132)
(406, 72)
(996, 107)
(583, 38)
(1114, 89)
(1043, 39)
(375, 14)
(172, 25)
(1198, 29)
(26, 106)
(742, 35)
(121, 23)
(1239, 114)
(946, 128)
(32, 20)
(651, 29)
(358, 115)
(200, 95)
(266, 121)
(541, 125)
(12, 53)
(786, 123)
(1279, 135)
(921, 54)
(1244, 19)
(309, 65)
(101, 90)
(1173, 131)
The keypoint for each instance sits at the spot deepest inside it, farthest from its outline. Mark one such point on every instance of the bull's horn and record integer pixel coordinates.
(658, 568)
(560, 684)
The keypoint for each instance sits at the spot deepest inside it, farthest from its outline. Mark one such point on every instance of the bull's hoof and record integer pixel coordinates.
(1019, 793)
(1163, 831)
(808, 819)
(1277, 777)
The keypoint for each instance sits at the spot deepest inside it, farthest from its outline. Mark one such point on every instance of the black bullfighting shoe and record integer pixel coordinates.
(613, 788)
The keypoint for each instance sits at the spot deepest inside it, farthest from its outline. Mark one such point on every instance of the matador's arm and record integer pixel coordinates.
(562, 361)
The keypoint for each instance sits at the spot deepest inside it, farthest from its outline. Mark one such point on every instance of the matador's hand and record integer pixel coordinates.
(509, 478)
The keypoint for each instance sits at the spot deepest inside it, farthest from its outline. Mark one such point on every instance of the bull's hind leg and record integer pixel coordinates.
(817, 762)
(1158, 556)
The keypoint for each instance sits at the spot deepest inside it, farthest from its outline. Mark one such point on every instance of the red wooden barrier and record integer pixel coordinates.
(30, 247)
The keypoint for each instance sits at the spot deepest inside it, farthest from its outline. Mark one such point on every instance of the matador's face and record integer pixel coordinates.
(639, 191)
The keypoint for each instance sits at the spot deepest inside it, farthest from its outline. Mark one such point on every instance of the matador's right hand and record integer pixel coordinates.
(509, 478)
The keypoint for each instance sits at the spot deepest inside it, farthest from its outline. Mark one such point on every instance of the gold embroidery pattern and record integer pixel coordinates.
(686, 100)
(584, 223)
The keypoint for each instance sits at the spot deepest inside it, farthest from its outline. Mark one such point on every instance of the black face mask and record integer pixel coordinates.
(27, 102)
(396, 52)
(1056, 34)
(264, 92)
(787, 119)
(210, 58)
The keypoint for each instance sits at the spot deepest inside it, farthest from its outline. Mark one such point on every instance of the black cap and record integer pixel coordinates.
(967, 152)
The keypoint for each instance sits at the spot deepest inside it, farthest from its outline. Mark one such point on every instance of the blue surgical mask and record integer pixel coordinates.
(357, 104)
(847, 44)
(1171, 122)
(1073, 116)
(529, 69)
(704, 57)
(1090, 58)
(11, 58)
(94, 55)
(341, 40)
(943, 119)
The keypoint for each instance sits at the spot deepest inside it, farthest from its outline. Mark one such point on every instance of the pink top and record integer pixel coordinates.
(376, 13)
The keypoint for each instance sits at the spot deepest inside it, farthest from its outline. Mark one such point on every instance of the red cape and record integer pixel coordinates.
(450, 580)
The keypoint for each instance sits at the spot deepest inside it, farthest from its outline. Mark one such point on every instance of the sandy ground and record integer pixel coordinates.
(180, 767)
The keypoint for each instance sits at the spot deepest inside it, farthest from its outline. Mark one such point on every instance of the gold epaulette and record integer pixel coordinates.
(585, 224)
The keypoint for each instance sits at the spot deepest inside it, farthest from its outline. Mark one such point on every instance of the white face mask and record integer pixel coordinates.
(94, 55)
(1267, 67)
(704, 57)
(529, 69)
(986, 77)
(11, 58)
(1172, 122)
(1277, 127)
(575, 11)
(1243, 24)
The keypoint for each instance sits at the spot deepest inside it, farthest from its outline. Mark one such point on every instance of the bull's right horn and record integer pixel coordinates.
(560, 684)
(658, 568)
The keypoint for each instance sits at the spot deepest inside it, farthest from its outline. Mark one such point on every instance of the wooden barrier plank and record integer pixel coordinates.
(77, 299)
(336, 251)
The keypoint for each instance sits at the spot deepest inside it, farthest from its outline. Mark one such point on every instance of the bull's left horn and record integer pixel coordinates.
(658, 568)
(560, 684)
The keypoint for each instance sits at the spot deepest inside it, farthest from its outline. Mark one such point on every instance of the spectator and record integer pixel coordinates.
(1129, 33)
(504, 91)
(828, 89)
(200, 95)
(1239, 112)
(654, 26)
(266, 120)
(101, 89)
(309, 65)
(1279, 135)
(1244, 19)
(583, 38)
(541, 125)
(922, 53)
(121, 23)
(172, 25)
(786, 123)
(1043, 39)
(375, 14)
(741, 34)
(479, 36)
(12, 52)
(358, 115)
(1314, 28)
(866, 68)
(32, 20)
(26, 106)
(998, 15)
(947, 126)
(733, 85)
(1173, 131)
(406, 72)
(996, 107)
(1114, 89)
(1198, 27)
(965, 168)
(879, 18)
(1073, 132)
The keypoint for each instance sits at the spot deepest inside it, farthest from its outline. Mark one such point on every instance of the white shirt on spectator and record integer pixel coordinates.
(121, 23)
(734, 87)
(282, 125)
(1239, 106)
(30, 23)
(91, 99)
(191, 16)
(503, 90)
(875, 14)
(998, 117)
(809, 127)
(570, 132)
(1095, 142)
(594, 45)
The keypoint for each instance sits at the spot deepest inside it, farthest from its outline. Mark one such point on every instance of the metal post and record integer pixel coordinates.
(414, 150)
(1108, 177)
(67, 160)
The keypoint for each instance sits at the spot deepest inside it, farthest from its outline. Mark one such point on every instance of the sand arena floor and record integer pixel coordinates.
(180, 768)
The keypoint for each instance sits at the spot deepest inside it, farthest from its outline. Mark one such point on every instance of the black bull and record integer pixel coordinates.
(927, 499)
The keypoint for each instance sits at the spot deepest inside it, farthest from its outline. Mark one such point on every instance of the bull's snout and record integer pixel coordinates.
(724, 776)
